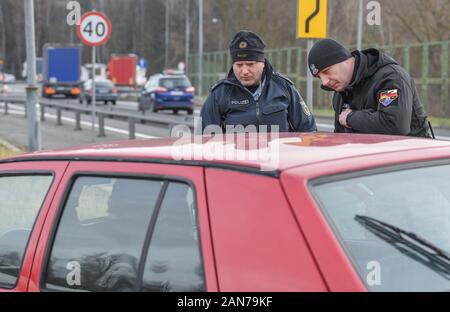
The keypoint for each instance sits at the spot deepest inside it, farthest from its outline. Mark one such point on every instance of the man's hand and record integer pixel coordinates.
(343, 117)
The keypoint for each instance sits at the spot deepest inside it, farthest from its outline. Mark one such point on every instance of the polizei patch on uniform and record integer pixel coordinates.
(243, 102)
(387, 97)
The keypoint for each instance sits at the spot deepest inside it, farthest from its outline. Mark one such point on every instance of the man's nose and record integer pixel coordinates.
(245, 70)
(325, 80)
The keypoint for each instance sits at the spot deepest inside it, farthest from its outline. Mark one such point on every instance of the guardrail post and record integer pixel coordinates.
(58, 117)
(6, 107)
(131, 128)
(101, 125)
(77, 121)
(170, 127)
(42, 112)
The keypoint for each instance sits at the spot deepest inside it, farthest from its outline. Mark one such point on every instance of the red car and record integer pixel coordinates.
(300, 212)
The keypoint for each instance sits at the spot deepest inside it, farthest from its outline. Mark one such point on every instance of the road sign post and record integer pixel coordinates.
(94, 99)
(311, 23)
(94, 30)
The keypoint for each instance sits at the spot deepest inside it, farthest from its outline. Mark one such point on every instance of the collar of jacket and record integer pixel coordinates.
(267, 74)
(367, 63)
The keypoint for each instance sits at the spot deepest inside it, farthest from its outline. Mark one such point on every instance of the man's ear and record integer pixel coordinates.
(350, 63)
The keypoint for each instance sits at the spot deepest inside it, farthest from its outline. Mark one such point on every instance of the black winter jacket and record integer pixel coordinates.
(383, 98)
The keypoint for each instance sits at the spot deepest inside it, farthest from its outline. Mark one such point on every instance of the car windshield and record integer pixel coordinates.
(174, 83)
(101, 84)
(104, 84)
(395, 226)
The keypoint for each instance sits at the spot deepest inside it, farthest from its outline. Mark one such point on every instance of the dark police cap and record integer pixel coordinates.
(247, 46)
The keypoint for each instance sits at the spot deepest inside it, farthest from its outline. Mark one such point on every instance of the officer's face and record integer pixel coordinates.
(337, 76)
(248, 73)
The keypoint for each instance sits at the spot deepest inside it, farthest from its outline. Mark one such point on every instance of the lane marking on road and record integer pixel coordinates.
(18, 111)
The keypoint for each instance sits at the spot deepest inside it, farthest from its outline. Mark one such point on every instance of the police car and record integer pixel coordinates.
(168, 91)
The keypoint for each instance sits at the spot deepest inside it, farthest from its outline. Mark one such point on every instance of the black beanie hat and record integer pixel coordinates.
(247, 46)
(325, 53)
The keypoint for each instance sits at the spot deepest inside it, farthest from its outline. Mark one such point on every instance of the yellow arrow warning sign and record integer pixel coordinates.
(311, 18)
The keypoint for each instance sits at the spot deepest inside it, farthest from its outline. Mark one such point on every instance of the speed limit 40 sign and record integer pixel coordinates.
(94, 29)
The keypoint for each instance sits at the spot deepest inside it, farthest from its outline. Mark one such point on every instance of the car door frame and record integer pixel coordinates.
(193, 174)
(337, 269)
(56, 169)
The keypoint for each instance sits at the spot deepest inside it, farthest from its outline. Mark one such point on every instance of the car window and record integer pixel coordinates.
(154, 82)
(171, 83)
(414, 200)
(148, 84)
(101, 234)
(174, 258)
(104, 84)
(100, 238)
(22, 196)
(151, 83)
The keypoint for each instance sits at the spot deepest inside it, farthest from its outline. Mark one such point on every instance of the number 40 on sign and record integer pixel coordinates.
(94, 29)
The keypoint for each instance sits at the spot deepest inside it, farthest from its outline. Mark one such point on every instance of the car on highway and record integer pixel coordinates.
(7, 78)
(253, 212)
(4, 89)
(105, 91)
(167, 92)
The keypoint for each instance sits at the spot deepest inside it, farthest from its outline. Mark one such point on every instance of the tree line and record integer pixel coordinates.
(139, 25)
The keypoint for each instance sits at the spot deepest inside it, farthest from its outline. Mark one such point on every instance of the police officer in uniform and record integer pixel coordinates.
(373, 93)
(253, 94)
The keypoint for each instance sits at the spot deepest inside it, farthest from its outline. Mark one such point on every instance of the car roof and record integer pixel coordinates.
(172, 76)
(99, 80)
(252, 152)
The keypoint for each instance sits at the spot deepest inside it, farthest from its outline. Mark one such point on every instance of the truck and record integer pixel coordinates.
(39, 68)
(61, 70)
(122, 69)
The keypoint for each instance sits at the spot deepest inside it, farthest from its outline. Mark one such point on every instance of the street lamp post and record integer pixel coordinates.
(200, 47)
(166, 57)
(216, 21)
(360, 25)
(34, 135)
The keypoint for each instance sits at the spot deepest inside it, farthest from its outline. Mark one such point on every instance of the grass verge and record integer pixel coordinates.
(5, 151)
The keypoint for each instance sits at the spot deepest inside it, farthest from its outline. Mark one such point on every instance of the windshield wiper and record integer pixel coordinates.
(438, 259)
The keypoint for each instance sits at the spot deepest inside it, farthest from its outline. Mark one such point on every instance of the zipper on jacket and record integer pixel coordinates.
(257, 114)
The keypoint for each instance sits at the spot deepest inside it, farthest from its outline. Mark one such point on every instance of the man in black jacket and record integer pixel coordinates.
(253, 97)
(373, 94)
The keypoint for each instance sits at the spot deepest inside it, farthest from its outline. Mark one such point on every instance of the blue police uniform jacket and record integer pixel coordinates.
(231, 104)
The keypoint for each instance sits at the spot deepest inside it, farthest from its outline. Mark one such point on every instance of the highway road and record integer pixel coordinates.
(115, 129)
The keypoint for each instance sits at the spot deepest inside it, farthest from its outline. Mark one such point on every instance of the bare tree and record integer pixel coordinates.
(2, 31)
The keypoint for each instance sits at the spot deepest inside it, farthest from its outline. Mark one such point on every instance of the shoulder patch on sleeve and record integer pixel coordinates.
(305, 109)
(216, 85)
(388, 96)
(283, 77)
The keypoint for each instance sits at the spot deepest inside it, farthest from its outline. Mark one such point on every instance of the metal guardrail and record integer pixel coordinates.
(131, 119)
